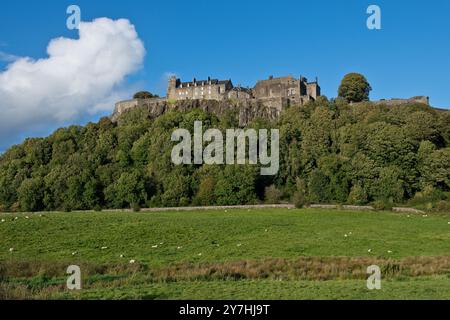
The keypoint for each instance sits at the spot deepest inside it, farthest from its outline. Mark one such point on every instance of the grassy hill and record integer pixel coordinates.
(233, 254)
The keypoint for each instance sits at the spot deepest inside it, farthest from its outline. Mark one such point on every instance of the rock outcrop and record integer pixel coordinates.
(247, 110)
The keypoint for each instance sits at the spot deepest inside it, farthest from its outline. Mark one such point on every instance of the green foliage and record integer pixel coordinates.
(272, 195)
(319, 185)
(330, 152)
(358, 195)
(144, 95)
(31, 194)
(236, 185)
(205, 195)
(354, 88)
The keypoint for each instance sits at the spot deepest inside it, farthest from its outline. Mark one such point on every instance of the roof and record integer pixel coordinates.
(206, 82)
(241, 89)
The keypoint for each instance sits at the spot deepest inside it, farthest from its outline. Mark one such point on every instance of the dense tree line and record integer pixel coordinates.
(330, 152)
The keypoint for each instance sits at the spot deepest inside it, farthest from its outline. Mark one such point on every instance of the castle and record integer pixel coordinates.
(273, 92)
(266, 99)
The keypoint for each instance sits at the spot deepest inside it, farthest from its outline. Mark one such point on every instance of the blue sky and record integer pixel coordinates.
(250, 40)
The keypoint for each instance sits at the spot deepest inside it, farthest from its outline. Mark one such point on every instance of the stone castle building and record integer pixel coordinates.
(273, 92)
(266, 99)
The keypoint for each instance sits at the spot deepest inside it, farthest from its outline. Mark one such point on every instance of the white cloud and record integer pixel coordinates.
(79, 77)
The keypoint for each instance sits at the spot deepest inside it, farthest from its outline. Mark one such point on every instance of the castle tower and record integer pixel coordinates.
(171, 89)
(313, 89)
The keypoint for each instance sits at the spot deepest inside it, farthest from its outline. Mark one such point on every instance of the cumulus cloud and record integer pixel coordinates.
(80, 77)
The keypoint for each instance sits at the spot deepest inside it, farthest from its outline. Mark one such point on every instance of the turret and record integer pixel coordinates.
(171, 90)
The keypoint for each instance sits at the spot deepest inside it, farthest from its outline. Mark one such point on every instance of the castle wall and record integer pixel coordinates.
(396, 101)
(277, 88)
(275, 93)
(313, 90)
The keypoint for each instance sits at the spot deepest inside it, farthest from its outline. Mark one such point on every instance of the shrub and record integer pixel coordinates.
(136, 207)
(383, 204)
(97, 208)
(205, 194)
(443, 206)
(272, 195)
(144, 95)
(67, 208)
(15, 207)
(358, 195)
(299, 200)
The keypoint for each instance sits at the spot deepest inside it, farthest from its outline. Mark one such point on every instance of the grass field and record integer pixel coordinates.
(233, 254)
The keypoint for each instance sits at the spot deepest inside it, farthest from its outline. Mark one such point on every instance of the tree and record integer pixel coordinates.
(354, 88)
(31, 194)
(318, 186)
(205, 194)
(236, 185)
(144, 95)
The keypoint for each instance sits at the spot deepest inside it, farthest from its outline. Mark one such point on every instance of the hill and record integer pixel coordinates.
(330, 151)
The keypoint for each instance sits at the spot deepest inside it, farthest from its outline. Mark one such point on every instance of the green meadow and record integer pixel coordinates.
(225, 254)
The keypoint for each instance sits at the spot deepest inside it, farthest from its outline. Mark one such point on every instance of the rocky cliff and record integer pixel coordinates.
(247, 110)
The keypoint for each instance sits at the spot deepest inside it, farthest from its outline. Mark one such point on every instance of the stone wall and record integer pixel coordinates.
(397, 101)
